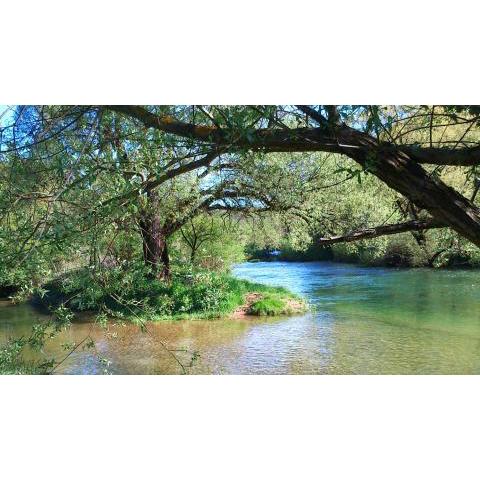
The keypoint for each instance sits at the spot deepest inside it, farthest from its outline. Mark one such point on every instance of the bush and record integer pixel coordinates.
(24, 277)
(398, 255)
(131, 289)
(129, 292)
(268, 305)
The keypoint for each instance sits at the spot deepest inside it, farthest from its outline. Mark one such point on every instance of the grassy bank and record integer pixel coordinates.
(132, 295)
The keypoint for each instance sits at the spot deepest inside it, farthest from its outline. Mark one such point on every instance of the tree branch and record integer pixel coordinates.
(317, 116)
(292, 140)
(465, 157)
(396, 166)
(368, 233)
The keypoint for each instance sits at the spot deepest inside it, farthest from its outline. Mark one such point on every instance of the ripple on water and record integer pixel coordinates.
(364, 321)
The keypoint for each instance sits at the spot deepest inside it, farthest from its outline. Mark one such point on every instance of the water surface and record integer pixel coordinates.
(363, 321)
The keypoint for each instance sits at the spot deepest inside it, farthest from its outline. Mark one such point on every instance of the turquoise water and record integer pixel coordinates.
(363, 321)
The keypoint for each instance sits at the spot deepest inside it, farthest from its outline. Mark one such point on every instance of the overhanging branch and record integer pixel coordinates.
(396, 167)
(291, 140)
(368, 233)
(465, 157)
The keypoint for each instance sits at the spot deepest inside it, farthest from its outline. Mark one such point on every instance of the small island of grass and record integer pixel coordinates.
(190, 293)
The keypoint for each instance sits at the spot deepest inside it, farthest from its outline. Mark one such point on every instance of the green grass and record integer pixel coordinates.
(133, 296)
(268, 305)
(277, 304)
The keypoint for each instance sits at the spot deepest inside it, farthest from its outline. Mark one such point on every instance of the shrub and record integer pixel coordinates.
(268, 305)
(128, 291)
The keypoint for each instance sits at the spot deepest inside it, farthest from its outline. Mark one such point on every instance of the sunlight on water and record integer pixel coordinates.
(363, 321)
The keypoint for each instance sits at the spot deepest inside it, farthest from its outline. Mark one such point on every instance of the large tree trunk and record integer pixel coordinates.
(407, 177)
(155, 249)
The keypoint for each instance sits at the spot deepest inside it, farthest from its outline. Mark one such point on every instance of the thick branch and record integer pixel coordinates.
(168, 124)
(368, 233)
(445, 156)
(391, 164)
(267, 139)
(293, 140)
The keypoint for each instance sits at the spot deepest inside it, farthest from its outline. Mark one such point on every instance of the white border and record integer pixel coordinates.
(240, 427)
(99, 52)
(254, 51)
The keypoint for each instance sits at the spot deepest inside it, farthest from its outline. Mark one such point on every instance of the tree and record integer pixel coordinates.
(76, 177)
(111, 176)
(367, 135)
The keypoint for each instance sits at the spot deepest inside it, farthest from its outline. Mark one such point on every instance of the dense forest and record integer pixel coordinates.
(140, 211)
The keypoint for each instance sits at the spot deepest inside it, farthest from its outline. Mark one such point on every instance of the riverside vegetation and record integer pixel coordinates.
(132, 294)
(139, 212)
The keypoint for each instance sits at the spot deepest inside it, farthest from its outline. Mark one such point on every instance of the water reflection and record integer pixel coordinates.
(363, 321)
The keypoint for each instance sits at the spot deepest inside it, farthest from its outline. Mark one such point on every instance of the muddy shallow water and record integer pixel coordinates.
(363, 321)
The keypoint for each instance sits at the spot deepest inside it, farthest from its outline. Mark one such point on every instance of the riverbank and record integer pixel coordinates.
(362, 321)
(135, 297)
(395, 256)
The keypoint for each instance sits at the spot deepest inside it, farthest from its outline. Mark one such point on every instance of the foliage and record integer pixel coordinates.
(130, 292)
(83, 190)
(268, 305)
(210, 241)
(16, 354)
(364, 203)
(80, 196)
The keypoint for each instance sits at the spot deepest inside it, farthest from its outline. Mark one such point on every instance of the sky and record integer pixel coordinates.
(5, 115)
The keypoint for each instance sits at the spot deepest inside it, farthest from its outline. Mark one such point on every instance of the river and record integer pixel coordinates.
(362, 321)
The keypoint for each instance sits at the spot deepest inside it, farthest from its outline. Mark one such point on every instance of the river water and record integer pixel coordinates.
(362, 321)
